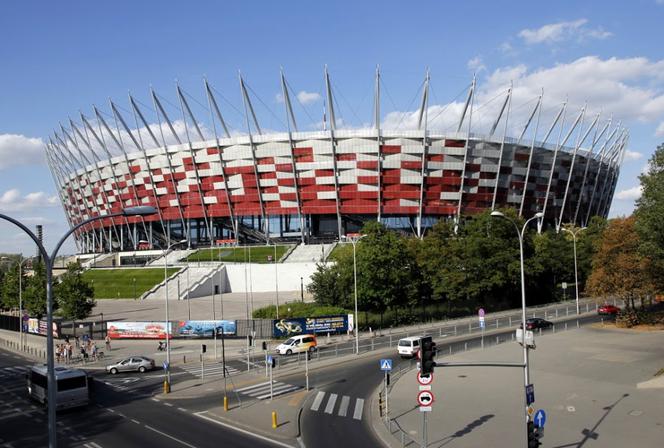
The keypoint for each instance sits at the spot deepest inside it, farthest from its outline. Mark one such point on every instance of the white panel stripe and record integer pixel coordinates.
(330, 403)
(359, 406)
(317, 401)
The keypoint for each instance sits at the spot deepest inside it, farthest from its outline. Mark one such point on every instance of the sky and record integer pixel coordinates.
(59, 58)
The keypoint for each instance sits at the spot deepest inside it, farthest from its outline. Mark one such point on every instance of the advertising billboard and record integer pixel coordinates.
(36, 326)
(138, 330)
(205, 328)
(300, 325)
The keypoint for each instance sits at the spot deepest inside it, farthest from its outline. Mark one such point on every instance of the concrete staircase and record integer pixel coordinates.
(199, 280)
(308, 253)
(172, 257)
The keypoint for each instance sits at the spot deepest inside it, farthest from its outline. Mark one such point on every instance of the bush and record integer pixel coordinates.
(298, 309)
(627, 318)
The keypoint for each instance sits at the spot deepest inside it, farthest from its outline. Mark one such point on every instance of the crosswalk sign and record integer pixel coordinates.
(386, 364)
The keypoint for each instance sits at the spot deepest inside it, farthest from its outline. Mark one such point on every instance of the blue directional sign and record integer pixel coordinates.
(269, 359)
(540, 418)
(530, 394)
(165, 365)
(386, 364)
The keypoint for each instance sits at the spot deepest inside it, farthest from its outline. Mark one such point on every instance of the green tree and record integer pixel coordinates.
(9, 292)
(34, 291)
(73, 294)
(650, 217)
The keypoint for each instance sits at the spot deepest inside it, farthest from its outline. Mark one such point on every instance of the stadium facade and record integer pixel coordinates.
(210, 186)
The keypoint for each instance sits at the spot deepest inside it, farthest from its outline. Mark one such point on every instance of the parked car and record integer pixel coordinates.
(297, 344)
(608, 310)
(132, 364)
(536, 322)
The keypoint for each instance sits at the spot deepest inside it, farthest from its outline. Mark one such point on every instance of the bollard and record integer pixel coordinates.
(565, 326)
(225, 403)
(497, 340)
(455, 330)
(465, 346)
(450, 349)
(184, 359)
(556, 312)
(274, 419)
(167, 387)
(510, 321)
(553, 327)
(577, 323)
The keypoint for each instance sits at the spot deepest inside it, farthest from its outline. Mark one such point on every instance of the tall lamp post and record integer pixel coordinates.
(576, 271)
(48, 262)
(526, 369)
(354, 238)
(167, 381)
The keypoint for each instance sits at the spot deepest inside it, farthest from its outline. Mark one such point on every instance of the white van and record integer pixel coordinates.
(297, 344)
(409, 347)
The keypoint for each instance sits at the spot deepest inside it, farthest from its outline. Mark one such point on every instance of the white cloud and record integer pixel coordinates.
(630, 194)
(476, 64)
(632, 155)
(659, 132)
(557, 32)
(12, 200)
(308, 97)
(17, 150)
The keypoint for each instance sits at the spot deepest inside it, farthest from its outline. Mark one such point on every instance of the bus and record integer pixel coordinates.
(74, 386)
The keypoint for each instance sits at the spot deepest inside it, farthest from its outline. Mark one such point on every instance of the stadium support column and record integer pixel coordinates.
(609, 186)
(248, 108)
(212, 105)
(185, 106)
(589, 159)
(290, 121)
(602, 155)
(333, 127)
(379, 164)
(469, 103)
(555, 158)
(571, 168)
(538, 110)
(161, 112)
(508, 103)
(59, 183)
(422, 124)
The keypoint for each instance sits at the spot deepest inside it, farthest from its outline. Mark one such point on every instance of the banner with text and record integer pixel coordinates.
(205, 328)
(301, 325)
(138, 330)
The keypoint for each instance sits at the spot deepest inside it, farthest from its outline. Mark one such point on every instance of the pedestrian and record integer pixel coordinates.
(77, 342)
(94, 351)
(69, 352)
(57, 353)
(84, 354)
(108, 343)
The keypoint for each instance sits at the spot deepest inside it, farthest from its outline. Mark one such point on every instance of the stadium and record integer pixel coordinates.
(211, 185)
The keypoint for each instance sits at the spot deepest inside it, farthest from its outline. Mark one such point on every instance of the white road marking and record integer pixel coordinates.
(330, 403)
(168, 404)
(265, 439)
(135, 421)
(182, 409)
(251, 387)
(359, 406)
(169, 436)
(154, 399)
(343, 406)
(317, 401)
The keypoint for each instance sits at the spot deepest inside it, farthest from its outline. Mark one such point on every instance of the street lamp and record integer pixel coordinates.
(526, 371)
(48, 262)
(576, 272)
(167, 381)
(354, 238)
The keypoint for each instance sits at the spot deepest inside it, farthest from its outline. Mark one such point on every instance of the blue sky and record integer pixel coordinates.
(61, 57)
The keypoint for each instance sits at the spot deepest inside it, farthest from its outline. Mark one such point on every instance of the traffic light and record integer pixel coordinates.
(387, 379)
(203, 348)
(264, 345)
(533, 436)
(428, 352)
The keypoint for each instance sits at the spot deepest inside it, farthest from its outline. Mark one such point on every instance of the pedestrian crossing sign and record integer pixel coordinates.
(386, 364)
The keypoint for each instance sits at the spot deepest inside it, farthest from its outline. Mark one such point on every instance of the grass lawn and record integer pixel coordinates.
(338, 249)
(119, 283)
(259, 254)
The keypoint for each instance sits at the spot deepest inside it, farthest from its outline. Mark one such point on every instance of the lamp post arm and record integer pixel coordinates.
(34, 238)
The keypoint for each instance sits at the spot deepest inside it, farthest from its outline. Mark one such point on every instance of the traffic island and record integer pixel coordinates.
(589, 382)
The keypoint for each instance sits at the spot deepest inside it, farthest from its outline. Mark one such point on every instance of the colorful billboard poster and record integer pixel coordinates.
(137, 330)
(205, 328)
(300, 325)
(36, 326)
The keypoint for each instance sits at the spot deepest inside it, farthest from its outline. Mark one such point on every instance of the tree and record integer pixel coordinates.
(9, 292)
(650, 217)
(619, 268)
(34, 292)
(73, 294)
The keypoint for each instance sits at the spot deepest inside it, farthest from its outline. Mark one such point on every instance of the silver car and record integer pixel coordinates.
(131, 364)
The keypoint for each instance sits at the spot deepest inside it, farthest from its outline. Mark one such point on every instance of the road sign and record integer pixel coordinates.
(425, 399)
(530, 394)
(386, 365)
(564, 285)
(540, 418)
(530, 410)
(425, 380)
(165, 365)
(482, 322)
(481, 313)
(269, 359)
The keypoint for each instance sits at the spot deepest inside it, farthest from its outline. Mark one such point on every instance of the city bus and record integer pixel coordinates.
(74, 386)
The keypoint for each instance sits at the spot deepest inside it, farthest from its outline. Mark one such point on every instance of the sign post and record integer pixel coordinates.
(269, 360)
(540, 418)
(481, 316)
(386, 367)
(564, 285)
(425, 399)
(306, 369)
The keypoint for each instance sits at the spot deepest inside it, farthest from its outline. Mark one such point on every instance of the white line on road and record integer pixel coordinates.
(343, 406)
(182, 409)
(225, 425)
(168, 404)
(330, 403)
(317, 401)
(92, 445)
(169, 436)
(135, 421)
(359, 406)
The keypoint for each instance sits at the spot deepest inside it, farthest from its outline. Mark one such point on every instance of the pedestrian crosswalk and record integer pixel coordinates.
(12, 371)
(211, 370)
(262, 391)
(344, 405)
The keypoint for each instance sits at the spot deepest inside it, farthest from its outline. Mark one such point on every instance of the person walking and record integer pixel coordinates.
(108, 343)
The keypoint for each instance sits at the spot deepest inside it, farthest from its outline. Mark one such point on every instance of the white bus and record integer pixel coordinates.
(73, 386)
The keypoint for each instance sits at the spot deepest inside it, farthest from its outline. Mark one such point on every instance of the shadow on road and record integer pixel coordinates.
(464, 431)
(591, 433)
